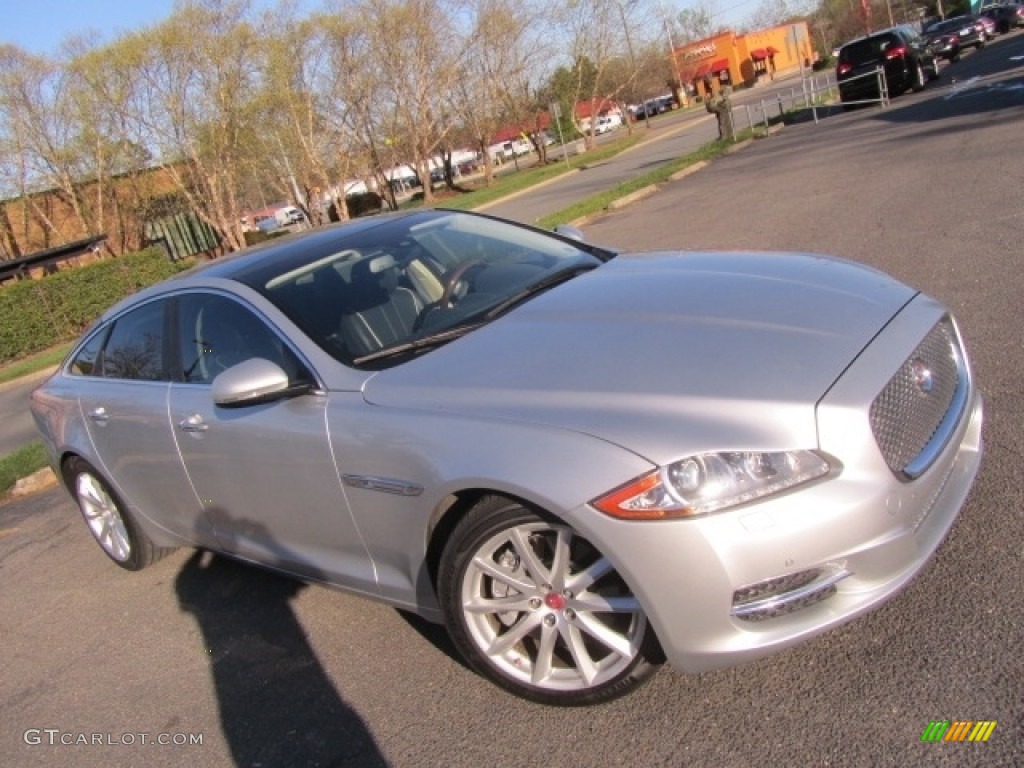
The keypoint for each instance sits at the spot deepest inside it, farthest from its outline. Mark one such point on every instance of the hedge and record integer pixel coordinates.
(39, 314)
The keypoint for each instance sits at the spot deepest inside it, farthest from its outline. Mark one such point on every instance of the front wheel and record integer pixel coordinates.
(113, 527)
(537, 609)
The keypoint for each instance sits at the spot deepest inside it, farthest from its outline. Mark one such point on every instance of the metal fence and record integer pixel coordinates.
(813, 93)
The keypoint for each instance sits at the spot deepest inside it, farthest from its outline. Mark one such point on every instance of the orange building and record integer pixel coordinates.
(734, 60)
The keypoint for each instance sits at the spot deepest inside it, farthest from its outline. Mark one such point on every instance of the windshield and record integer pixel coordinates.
(416, 278)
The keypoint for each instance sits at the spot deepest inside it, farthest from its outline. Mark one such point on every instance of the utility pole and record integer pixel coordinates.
(632, 57)
(675, 61)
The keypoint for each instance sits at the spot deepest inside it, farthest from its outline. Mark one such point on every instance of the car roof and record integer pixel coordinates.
(879, 32)
(260, 262)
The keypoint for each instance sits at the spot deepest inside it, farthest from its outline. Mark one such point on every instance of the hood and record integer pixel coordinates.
(664, 354)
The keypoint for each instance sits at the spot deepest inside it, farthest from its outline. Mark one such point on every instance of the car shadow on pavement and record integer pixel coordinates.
(435, 634)
(277, 704)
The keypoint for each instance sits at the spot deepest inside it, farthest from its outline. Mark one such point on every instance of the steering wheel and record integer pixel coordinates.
(451, 281)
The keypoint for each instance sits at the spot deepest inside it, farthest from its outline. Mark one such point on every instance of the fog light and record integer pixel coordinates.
(782, 595)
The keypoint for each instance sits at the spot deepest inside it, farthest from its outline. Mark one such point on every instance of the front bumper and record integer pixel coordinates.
(862, 533)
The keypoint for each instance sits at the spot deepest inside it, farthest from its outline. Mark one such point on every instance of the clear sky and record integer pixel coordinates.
(40, 26)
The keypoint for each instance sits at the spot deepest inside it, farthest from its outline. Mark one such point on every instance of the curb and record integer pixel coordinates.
(40, 480)
(29, 377)
(632, 197)
(644, 192)
(684, 172)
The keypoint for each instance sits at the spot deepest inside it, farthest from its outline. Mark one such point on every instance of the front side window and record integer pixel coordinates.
(216, 332)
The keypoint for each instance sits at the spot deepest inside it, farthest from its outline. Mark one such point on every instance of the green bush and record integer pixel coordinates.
(38, 314)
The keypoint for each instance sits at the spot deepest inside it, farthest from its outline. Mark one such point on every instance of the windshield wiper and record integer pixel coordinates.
(424, 342)
(555, 278)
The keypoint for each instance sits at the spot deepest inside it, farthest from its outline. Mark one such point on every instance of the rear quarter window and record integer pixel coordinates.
(869, 49)
(87, 361)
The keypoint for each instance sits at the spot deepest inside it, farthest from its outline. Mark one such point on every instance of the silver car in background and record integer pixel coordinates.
(582, 462)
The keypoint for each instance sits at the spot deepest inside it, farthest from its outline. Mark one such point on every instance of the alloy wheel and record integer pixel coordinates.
(547, 609)
(103, 517)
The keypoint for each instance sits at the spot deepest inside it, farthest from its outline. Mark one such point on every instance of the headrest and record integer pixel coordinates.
(381, 263)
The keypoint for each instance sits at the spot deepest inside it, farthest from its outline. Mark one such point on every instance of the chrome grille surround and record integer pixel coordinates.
(916, 413)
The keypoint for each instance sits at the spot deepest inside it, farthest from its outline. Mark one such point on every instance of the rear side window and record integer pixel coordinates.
(134, 349)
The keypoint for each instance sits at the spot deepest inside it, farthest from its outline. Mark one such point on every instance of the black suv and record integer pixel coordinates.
(902, 54)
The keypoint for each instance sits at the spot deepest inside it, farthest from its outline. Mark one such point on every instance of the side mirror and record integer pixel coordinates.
(254, 381)
(571, 232)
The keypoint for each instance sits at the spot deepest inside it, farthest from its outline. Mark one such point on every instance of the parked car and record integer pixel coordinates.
(607, 123)
(582, 462)
(284, 216)
(900, 52)
(267, 224)
(944, 46)
(1005, 16)
(989, 26)
(969, 31)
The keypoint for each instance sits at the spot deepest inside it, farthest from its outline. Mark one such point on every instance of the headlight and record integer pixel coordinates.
(709, 482)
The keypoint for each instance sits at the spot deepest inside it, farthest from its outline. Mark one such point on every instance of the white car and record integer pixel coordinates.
(607, 123)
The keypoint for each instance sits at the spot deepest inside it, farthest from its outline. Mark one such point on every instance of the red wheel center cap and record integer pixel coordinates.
(554, 601)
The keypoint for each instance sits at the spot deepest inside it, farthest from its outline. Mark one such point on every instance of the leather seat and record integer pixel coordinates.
(382, 313)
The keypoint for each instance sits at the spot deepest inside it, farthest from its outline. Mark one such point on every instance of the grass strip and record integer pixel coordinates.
(510, 182)
(601, 201)
(22, 463)
(34, 363)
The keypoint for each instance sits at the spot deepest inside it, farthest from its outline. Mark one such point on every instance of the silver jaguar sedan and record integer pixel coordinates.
(582, 462)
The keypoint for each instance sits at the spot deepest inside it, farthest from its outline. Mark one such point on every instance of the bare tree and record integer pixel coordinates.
(696, 22)
(772, 13)
(305, 132)
(594, 38)
(40, 127)
(418, 49)
(354, 100)
(195, 77)
(494, 87)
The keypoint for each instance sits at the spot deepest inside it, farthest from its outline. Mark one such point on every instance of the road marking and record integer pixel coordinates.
(972, 88)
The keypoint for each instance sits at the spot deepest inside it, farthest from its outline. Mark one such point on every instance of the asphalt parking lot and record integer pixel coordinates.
(101, 666)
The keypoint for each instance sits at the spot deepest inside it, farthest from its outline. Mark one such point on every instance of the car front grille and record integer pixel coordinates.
(913, 417)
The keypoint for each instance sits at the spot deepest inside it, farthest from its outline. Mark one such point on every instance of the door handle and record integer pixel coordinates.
(99, 415)
(193, 423)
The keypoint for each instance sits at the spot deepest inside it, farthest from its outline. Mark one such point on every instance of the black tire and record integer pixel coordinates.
(531, 646)
(108, 520)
